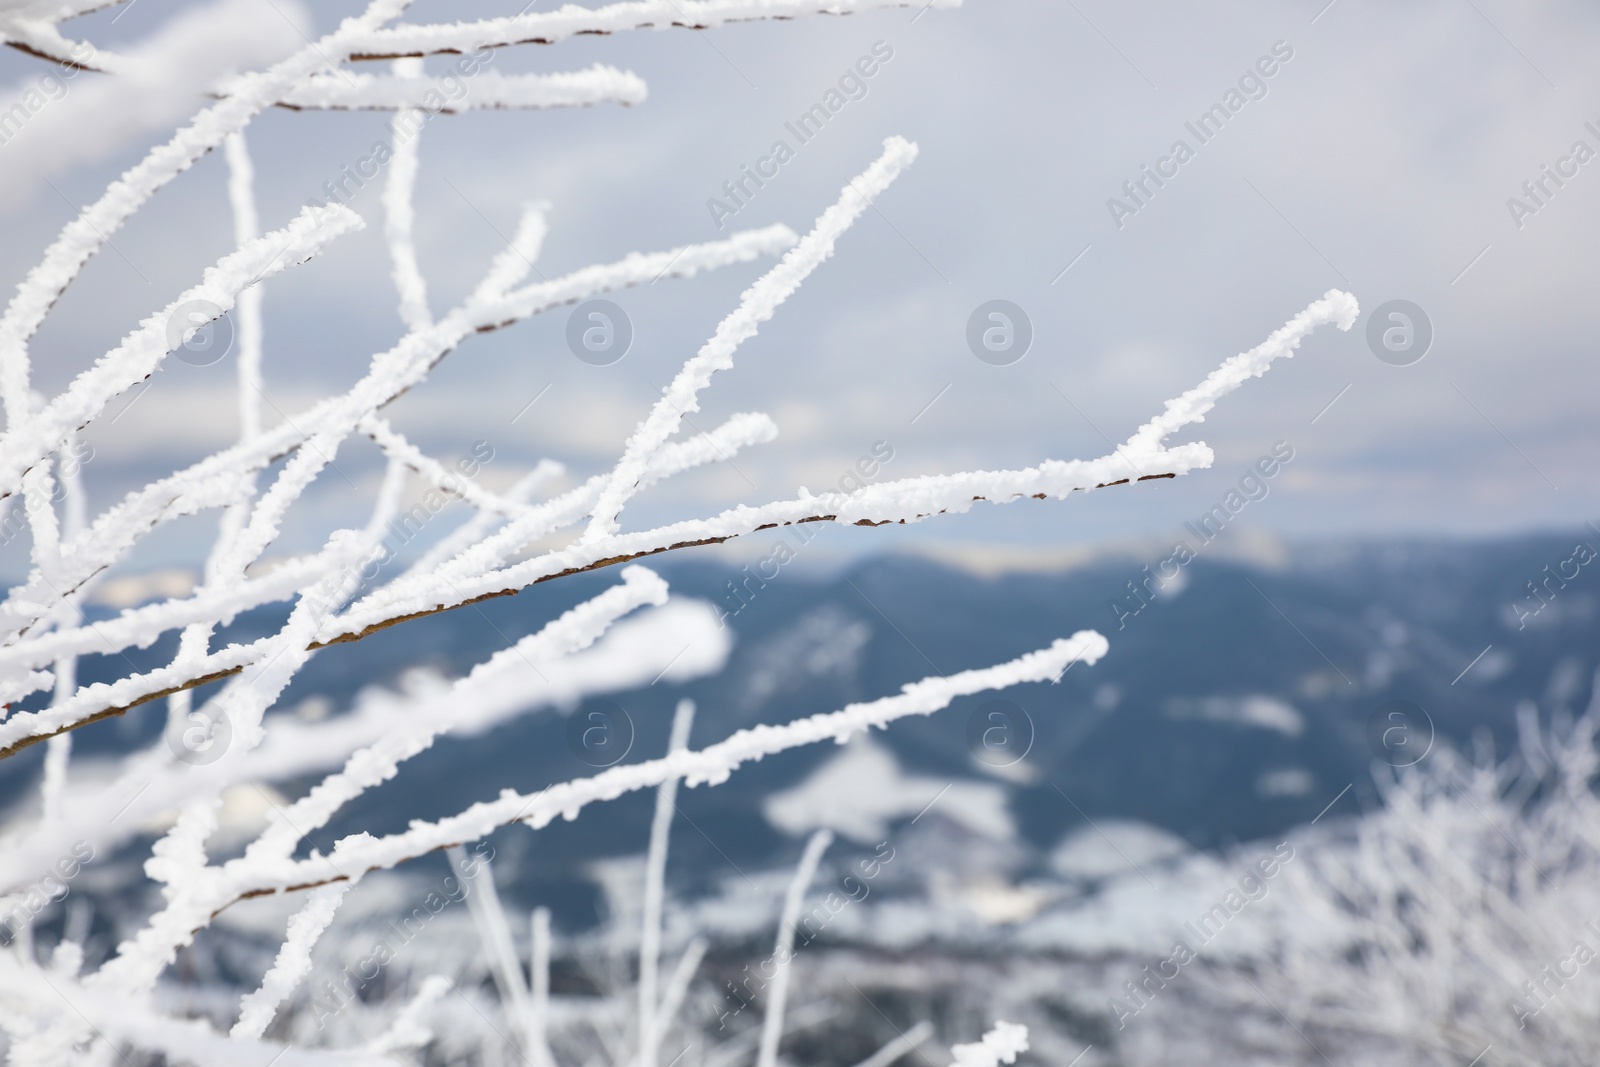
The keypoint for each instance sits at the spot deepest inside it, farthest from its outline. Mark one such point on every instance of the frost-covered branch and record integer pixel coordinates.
(674, 644)
(783, 950)
(399, 213)
(758, 304)
(223, 478)
(897, 501)
(539, 992)
(1451, 918)
(1336, 307)
(655, 876)
(40, 37)
(293, 962)
(627, 637)
(453, 483)
(494, 932)
(471, 702)
(902, 1044)
(45, 999)
(475, 574)
(141, 627)
(27, 441)
(710, 765)
(548, 27)
(489, 90)
(98, 222)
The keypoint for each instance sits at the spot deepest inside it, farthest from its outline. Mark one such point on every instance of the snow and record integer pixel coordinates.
(783, 950)
(861, 791)
(160, 79)
(293, 962)
(1003, 1044)
(758, 304)
(630, 635)
(1286, 782)
(1254, 710)
(29, 440)
(598, 84)
(1114, 848)
(547, 27)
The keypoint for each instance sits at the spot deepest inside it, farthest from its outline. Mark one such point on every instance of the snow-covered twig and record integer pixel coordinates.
(53, 789)
(29, 440)
(783, 949)
(46, 998)
(673, 644)
(140, 627)
(494, 932)
(407, 1031)
(599, 84)
(98, 222)
(548, 27)
(1336, 307)
(293, 962)
(758, 304)
(655, 874)
(399, 214)
(221, 479)
(342, 592)
(480, 525)
(710, 765)
(41, 38)
(246, 226)
(539, 993)
(898, 501)
(403, 738)
(454, 483)
(901, 1045)
(677, 987)
(727, 440)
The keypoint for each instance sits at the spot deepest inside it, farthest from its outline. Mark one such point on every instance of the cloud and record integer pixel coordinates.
(75, 118)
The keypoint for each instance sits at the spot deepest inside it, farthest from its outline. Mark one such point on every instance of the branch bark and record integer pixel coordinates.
(396, 620)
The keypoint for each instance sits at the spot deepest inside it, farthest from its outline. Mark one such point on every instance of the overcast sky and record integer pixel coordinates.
(1378, 157)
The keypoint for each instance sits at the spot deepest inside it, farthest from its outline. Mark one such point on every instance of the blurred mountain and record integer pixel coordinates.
(1237, 702)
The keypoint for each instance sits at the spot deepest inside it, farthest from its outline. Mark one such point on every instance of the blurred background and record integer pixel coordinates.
(1379, 160)
(1399, 560)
